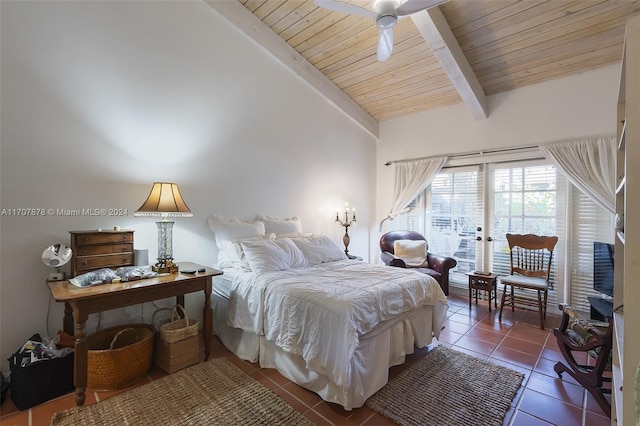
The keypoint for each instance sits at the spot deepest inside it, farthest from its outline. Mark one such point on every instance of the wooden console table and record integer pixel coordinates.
(80, 302)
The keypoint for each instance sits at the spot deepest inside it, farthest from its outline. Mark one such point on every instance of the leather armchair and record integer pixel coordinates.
(439, 266)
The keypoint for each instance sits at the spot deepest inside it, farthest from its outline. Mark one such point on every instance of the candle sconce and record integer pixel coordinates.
(346, 223)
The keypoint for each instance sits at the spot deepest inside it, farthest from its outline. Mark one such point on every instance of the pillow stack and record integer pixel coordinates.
(290, 225)
(270, 244)
(229, 233)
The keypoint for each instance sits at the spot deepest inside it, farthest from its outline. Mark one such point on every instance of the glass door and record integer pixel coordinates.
(524, 199)
(470, 210)
(466, 212)
(454, 218)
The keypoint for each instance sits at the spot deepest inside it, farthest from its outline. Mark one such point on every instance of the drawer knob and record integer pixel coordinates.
(85, 263)
(86, 239)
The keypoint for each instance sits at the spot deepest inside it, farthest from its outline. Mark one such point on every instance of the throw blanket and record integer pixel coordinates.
(321, 312)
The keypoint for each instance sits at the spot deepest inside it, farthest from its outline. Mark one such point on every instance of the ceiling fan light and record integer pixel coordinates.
(385, 22)
(385, 45)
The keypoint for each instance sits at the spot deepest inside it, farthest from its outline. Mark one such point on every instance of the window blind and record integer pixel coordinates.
(413, 219)
(527, 198)
(455, 208)
(589, 223)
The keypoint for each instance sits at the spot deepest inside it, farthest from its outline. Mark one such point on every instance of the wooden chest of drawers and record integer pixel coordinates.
(100, 249)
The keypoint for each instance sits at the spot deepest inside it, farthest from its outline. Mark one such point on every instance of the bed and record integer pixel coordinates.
(296, 303)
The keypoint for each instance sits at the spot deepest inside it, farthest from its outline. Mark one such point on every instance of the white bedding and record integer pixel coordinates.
(222, 283)
(321, 313)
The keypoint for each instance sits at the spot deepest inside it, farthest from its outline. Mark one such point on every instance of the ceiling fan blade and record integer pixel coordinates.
(413, 6)
(385, 44)
(339, 6)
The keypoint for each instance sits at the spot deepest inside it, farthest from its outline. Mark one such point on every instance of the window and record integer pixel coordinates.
(528, 198)
(589, 223)
(455, 198)
(467, 211)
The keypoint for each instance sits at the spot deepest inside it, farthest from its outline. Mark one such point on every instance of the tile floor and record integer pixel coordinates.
(517, 343)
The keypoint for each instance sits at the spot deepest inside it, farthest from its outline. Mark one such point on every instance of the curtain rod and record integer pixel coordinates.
(466, 154)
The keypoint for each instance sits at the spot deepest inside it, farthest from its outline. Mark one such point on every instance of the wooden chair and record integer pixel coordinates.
(531, 257)
(593, 338)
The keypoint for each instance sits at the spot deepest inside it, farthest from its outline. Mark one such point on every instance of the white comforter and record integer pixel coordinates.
(322, 312)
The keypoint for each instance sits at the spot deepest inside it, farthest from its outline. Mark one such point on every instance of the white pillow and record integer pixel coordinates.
(275, 255)
(230, 230)
(413, 252)
(291, 225)
(234, 253)
(319, 249)
(294, 235)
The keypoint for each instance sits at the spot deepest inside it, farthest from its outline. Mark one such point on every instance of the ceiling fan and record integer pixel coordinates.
(386, 14)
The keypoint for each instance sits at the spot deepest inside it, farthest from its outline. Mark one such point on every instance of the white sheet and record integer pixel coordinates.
(222, 283)
(321, 313)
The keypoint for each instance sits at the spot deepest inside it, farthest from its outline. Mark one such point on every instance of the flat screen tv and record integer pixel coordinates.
(603, 268)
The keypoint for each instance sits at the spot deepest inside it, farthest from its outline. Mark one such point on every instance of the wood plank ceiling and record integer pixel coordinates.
(508, 43)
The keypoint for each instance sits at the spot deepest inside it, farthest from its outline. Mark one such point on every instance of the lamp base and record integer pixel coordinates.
(57, 276)
(165, 267)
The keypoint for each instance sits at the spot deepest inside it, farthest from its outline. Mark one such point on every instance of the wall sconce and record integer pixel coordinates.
(164, 201)
(346, 223)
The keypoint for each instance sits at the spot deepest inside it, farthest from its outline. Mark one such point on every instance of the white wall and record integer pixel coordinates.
(100, 99)
(564, 109)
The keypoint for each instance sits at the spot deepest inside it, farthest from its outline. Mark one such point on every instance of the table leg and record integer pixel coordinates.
(80, 357)
(207, 317)
(470, 293)
(495, 292)
(67, 322)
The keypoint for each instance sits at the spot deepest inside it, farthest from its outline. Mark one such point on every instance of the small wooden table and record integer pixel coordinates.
(485, 281)
(80, 302)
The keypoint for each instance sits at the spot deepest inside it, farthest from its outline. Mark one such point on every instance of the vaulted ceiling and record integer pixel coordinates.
(504, 44)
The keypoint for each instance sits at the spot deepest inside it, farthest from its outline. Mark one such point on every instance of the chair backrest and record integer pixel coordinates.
(531, 255)
(386, 241)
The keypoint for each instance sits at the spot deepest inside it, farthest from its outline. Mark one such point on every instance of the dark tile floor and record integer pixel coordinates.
(517, 343)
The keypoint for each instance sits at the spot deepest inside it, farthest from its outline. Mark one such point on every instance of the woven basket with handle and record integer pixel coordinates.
(119, 356)
(175, 355)
(178, 328)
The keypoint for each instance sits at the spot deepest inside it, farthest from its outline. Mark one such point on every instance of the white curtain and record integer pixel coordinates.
(589, 165)
(412, 177)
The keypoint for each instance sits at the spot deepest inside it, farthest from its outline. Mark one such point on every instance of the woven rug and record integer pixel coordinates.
(210, 393)
(447, 387)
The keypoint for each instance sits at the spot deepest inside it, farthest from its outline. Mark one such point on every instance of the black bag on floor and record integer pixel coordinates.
(4, 385)
(35, 383)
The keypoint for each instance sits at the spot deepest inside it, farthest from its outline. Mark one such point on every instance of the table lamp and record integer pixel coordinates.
(164, 201)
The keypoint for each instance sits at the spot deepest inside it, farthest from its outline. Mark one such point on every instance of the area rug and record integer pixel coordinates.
(210, 393)
(447, 387)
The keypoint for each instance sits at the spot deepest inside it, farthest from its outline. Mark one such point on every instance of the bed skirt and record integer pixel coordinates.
(243, 344)
(368, 370)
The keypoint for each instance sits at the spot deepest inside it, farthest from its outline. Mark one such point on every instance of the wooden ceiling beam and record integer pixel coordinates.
(436, 32)
(250, 25)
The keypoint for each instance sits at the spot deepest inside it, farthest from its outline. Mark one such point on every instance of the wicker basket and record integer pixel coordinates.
(119, 356)
(172, 355)
(178, 328)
